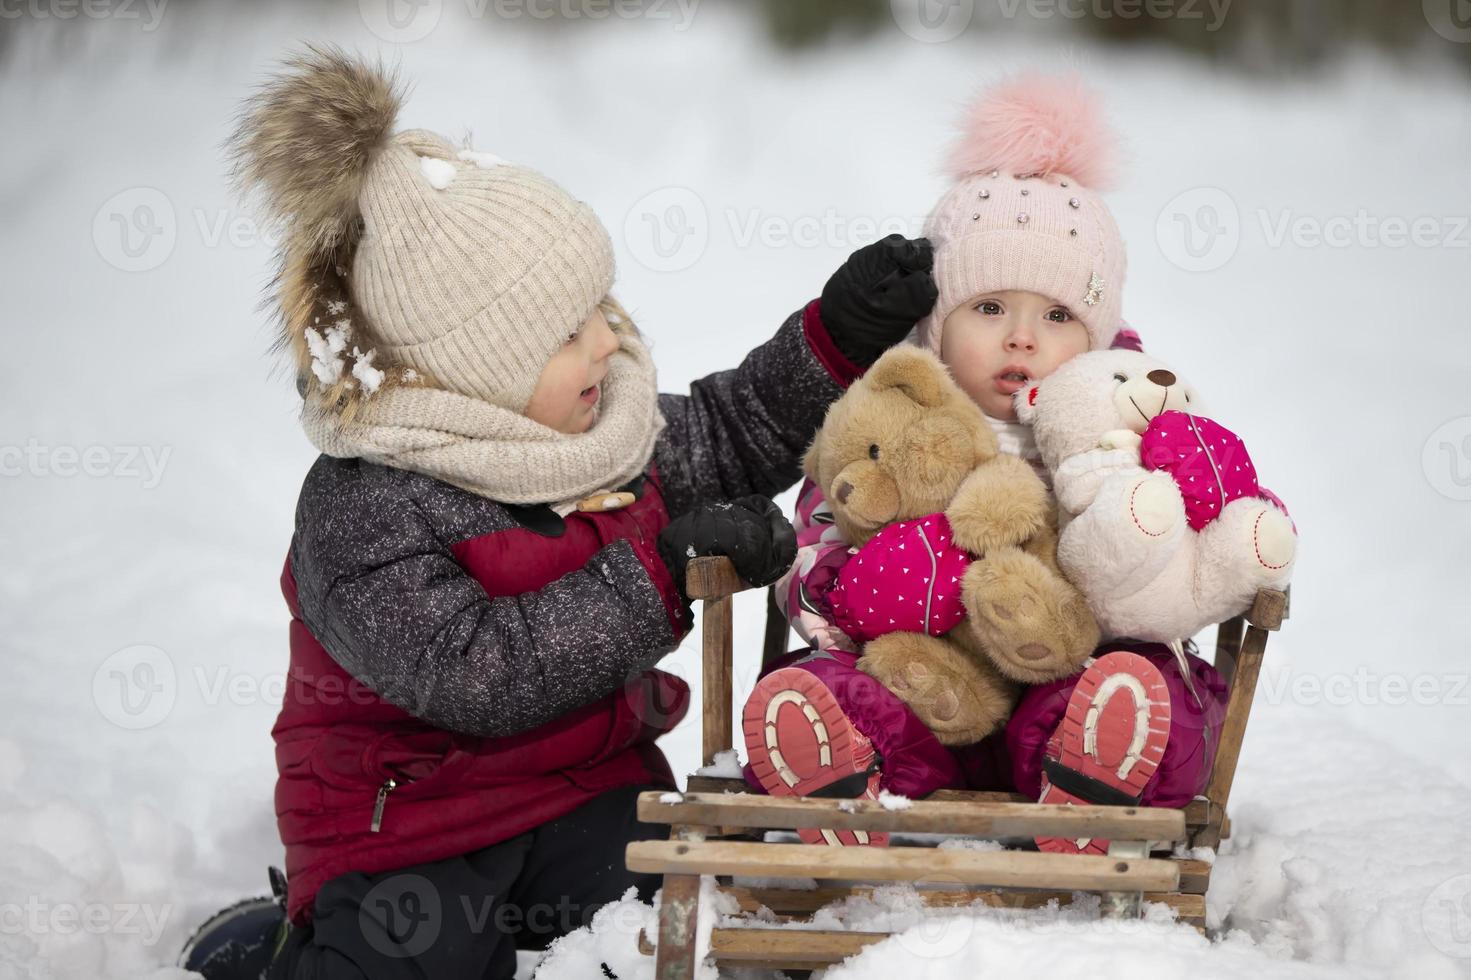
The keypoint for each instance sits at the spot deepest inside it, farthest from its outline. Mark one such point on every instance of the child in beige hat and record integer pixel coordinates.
(489, 556)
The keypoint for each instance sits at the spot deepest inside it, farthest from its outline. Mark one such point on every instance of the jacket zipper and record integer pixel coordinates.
(388, 786)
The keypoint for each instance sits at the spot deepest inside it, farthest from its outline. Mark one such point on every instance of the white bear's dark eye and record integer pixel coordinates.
(873, 451)
(1187, 398)
(1121, 378)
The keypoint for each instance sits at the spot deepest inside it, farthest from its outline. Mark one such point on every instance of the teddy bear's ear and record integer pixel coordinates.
(1026, 403)
(917, 373)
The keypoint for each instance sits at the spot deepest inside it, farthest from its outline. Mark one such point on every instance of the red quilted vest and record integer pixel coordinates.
(365, 786)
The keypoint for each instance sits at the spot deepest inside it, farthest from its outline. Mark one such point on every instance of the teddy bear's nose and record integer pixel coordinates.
(1161, 377)
(844, 489)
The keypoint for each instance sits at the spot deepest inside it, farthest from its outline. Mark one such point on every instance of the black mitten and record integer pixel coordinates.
(878, 295)
(751, 532)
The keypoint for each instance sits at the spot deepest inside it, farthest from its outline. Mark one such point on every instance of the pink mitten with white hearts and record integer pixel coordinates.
(906, 579)
(1208, 461)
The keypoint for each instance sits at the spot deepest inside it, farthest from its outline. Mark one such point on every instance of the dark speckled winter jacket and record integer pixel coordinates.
(462, 670)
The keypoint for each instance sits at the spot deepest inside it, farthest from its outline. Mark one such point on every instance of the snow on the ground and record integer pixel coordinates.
(1353, 859)
(139, 613)
(1341, 860)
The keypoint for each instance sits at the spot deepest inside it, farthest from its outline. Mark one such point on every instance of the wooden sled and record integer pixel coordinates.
(717, 827)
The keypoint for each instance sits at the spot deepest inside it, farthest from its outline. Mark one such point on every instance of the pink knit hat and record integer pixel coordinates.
(1024, 212)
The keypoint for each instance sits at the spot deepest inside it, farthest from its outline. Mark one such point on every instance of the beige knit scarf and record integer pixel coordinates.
(497, 453)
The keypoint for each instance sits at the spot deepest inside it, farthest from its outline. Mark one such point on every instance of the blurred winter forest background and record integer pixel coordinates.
(1295, 207)
(1250, 35)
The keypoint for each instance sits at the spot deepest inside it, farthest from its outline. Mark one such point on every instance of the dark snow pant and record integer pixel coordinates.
(466, 916)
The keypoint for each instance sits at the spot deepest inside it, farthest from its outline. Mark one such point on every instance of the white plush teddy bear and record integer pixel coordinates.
(1165, 529)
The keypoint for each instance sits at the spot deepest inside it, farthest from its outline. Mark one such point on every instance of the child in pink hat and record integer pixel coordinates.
(1029, 268)
(1029, 263)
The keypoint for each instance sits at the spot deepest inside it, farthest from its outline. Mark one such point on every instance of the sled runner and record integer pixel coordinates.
(717, 826)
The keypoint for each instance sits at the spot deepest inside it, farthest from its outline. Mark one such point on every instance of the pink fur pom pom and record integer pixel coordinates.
(1037, 124)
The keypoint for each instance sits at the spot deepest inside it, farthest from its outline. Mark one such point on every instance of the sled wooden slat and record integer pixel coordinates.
(755, 947)
(678, 921)
(772, 949)
(1195, 810)
(715, 784)
(976, 796)
(987, 820)
(714, 581)
(716, 707)
(784, 948)
(1011, 869)
(792, 903)
(1195, 876)
(1228, 641)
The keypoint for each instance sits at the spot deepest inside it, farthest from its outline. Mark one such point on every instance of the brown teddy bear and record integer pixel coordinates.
(953, 585)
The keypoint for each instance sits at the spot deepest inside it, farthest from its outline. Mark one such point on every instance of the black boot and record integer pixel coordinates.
(238, 943)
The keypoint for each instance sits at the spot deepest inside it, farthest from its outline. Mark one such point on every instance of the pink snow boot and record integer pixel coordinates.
(1109, 742)
(800, 742)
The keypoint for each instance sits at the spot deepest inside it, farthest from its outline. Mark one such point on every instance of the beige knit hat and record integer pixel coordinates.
(1024, 212)
(473, 270)
(404, 259)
